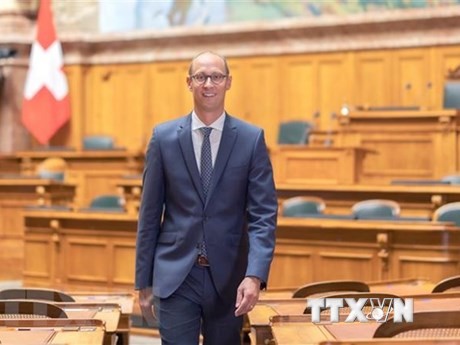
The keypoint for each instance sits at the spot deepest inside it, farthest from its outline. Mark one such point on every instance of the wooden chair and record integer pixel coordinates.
(446, 284)
(331, 286)
(383, 298)
(36, 294)
(302, 206)
(23, 309)
(376, 209)
(434, 325)
(448, 213)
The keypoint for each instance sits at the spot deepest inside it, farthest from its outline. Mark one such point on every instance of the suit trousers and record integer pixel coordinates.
(197, 307)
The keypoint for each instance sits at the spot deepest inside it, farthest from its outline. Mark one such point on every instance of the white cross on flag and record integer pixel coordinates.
(46, 105)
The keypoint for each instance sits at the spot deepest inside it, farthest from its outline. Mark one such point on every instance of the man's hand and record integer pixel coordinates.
(146, 304)
(247, 295)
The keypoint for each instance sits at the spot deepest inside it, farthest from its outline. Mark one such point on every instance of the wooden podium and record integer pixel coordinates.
(408, 144)
(301, 164)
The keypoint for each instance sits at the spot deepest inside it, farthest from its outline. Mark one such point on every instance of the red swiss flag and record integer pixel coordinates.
(46, 105)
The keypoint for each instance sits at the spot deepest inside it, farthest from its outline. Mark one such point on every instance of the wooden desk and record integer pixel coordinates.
(415, 200)
(299, 164)
(309, 250)
(124, 300)
(94, 172)
(400, 287)
(408, 144)
(298, 332)
(80, 250)
(16, 193)
(394, 341)
(49, 331)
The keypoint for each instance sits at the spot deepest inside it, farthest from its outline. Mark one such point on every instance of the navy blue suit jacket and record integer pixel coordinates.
(238, 218)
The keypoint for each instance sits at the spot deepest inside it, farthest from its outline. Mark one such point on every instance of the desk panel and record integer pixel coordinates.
(298, 164)
(408, 144)
(80, 250)
(310, 250)
(415, 200)
(15, 194)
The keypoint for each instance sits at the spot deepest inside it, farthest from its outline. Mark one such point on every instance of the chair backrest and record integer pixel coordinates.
(331, 286)
(375, 208)
(52, 168)
(447, 284)
(36, 294)
(113, 202)
(448, 213)
(301, 206)
(434, 324)
(451, 94)
(294, 132)
(452, 179)
(98, 142)
(23, 309)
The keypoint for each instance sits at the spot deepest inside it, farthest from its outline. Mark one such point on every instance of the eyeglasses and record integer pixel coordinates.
(216, 78)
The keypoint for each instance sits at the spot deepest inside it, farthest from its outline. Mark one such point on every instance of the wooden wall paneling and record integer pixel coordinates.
(411, 72)
(334, 87)
(118, 103)
(297, 88)
(372, 83)
(70, 134)
(101, 95)
(169, 96)
(236, 99)
(132, 91)
(259, 91)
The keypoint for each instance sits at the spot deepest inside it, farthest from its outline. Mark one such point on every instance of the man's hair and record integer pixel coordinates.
(227, 70)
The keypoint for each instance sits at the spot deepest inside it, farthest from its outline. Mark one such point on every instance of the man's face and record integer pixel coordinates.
(209, 95)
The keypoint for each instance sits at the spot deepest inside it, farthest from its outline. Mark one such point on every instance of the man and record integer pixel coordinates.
(207, 219)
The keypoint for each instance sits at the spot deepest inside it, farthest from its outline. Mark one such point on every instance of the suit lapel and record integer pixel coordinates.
(185, 139)
(227, 142)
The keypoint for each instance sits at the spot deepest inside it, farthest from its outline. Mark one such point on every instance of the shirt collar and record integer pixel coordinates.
(218, 124)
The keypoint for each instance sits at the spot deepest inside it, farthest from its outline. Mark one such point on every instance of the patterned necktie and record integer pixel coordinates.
(206, 173)
(206, 160)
